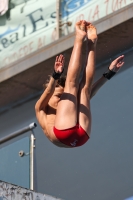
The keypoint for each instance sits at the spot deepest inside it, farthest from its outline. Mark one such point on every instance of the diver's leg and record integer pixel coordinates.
(66, 115)
(86, 83)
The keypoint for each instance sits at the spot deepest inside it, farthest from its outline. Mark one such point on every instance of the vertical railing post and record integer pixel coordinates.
(32, 146)
(58, 20)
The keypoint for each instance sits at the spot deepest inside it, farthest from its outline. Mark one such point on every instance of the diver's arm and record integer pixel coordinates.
(44, 99)
(48, 92)
(41, 104)
(114, 67)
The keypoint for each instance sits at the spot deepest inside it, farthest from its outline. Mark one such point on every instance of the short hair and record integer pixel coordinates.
(61, 82)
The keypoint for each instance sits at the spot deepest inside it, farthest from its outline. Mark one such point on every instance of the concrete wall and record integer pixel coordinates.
(101, 169)
(9, 191)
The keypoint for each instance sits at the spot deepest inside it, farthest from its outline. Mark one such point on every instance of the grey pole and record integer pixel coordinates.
(32, 146)
(58, 19)
(19, 132)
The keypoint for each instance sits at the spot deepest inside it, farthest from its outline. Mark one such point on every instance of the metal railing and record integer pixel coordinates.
(17, 133)
(32, 138)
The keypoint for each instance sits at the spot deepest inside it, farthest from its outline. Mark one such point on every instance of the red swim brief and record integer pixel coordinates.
(74, 137)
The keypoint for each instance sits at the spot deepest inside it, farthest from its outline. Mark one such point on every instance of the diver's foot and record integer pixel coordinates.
(92, 33)
(80, 30)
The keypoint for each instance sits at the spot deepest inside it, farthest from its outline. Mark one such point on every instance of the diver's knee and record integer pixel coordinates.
(72, 84)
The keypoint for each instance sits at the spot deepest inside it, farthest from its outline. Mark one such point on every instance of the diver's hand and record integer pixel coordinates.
(59, 63)
(117, 64)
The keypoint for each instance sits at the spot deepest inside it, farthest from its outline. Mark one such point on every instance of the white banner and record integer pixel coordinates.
(30, 25)
(25, 28)
(89, 10)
